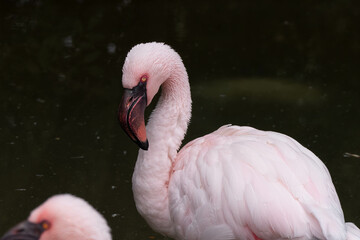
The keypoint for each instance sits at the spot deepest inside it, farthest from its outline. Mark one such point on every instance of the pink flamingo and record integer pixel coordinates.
(234, 183)
(62, 217)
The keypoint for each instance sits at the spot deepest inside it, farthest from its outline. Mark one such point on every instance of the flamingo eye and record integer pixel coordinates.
(144, 78)
(45, 225)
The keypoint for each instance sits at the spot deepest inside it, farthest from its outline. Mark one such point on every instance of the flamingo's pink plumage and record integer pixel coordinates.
(62, 217)
(234, 183)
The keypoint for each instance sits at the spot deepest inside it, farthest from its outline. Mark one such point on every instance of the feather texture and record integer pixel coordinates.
(234, 183)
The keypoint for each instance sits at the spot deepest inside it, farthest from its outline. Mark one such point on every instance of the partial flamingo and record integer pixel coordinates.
(62, 217)
(234, 183)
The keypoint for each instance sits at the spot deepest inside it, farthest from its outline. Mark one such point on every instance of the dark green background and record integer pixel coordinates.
(287, 66)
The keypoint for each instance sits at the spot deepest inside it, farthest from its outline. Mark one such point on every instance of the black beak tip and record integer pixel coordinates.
(144, 145)
(24, 231)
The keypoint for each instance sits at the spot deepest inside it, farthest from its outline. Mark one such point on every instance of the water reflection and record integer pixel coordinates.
(290, 68)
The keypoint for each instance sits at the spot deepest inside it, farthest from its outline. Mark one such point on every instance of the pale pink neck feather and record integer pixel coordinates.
(165, 131)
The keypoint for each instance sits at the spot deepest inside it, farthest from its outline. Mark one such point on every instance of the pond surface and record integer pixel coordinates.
(291, 67)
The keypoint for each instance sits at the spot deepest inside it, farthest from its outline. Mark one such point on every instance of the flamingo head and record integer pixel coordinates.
(146, 67)
(61, 217)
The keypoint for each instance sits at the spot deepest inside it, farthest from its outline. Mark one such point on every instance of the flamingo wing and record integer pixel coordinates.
(243, 183)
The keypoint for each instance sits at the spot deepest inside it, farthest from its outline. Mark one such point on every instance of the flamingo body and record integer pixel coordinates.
(238, 182)
(235, 183)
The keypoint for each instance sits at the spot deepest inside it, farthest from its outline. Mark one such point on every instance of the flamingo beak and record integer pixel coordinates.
(131, 114)
(24, 231)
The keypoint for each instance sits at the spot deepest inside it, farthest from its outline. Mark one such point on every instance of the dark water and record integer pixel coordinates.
(289, 66)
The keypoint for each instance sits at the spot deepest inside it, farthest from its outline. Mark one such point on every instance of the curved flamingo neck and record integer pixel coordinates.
(165, 130)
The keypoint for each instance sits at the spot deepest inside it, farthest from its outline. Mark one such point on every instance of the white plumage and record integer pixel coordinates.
(234, 183)
(62, 217)
(256, 182)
